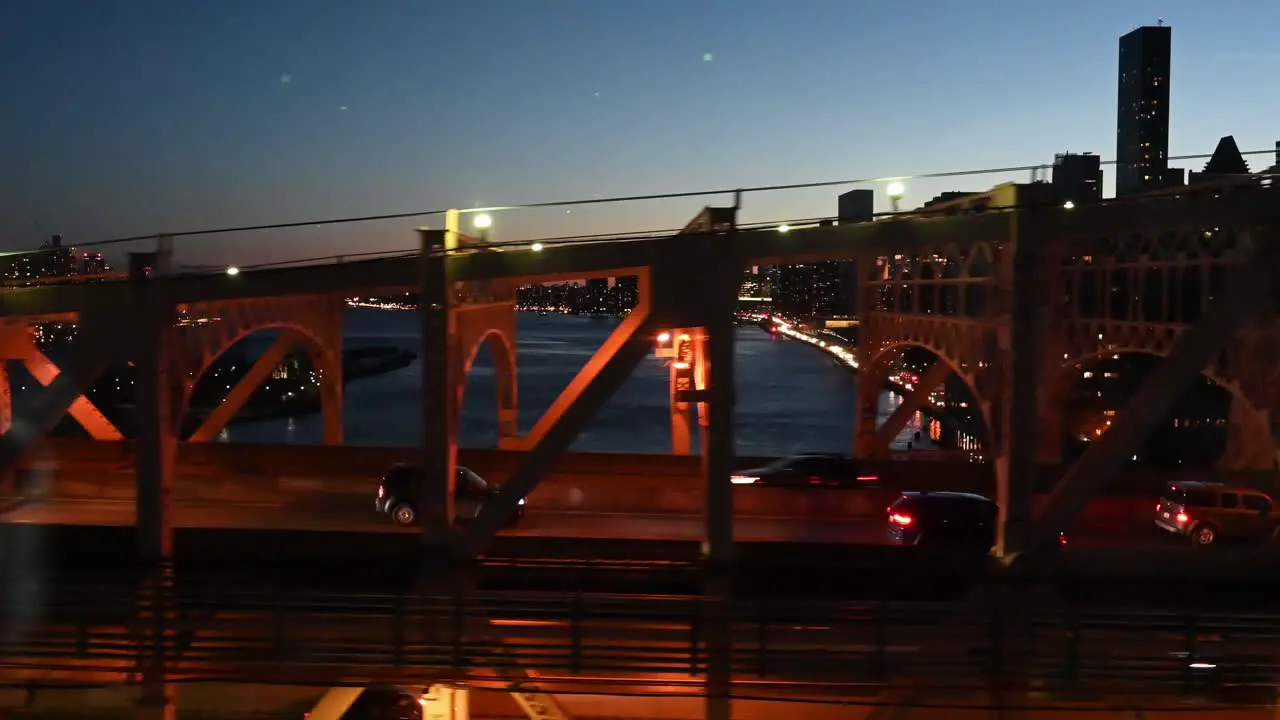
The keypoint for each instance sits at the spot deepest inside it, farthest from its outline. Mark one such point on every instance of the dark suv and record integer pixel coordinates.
(1207, 512)
(401, 495)
(943, 518)
(809, 470)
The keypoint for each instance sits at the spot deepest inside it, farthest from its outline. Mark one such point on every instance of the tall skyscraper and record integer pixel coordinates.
(1142, 123)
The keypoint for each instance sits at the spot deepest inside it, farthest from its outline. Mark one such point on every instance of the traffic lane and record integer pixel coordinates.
(334, 516)
(348, 514)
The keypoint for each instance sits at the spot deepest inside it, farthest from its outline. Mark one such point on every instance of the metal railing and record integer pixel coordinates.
(218, 631)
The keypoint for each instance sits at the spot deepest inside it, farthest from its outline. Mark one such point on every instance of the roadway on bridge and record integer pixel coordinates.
(346, 515)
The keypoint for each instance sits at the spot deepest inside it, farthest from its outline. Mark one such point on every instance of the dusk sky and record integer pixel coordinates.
(133, 117)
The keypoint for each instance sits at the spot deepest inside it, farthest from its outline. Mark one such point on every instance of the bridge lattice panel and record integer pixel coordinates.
(942, 300)
(1130, 292)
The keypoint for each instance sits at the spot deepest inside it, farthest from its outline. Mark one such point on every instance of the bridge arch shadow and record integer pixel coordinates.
(963, 403)
(1091, 389)
(308, 378)
(487, 378)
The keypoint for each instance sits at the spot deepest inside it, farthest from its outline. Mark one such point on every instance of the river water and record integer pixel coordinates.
(792, 397)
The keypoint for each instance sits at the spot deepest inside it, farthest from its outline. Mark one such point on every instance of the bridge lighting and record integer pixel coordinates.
(1068, 205)
(536, 247)
(233, 271)
(895, 191)
(483, 221)
(784, 228)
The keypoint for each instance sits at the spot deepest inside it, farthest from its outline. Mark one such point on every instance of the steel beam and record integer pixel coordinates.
(565, 428)
(243, 391)
(624, 333)
(84, 411)
(100, 341)
(334, 703)
(916, 400)
(1244, 288)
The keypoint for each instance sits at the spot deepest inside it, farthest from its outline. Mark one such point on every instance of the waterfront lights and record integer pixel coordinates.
(536, 247)
(482, 221)
(233, 271)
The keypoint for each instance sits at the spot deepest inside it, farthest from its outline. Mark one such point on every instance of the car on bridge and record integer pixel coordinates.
(400, 495)
(955, 519)
(1205, 513)
(816, 470)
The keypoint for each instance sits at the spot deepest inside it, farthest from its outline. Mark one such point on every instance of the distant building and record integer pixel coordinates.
(1077, 177)
(1142, 122)
(947, 197)
(93, 264)
(1226, 162)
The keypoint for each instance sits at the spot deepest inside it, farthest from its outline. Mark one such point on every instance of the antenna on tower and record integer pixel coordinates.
(1159, 22)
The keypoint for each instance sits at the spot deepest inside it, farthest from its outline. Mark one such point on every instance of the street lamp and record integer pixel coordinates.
(233, 271)
(784, 228)
(895, 191)
(483, 221)
(1068, 205)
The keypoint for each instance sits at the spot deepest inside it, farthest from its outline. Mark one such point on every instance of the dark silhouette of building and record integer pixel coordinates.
(1142, 122)
(1077, 177)
(947, 197)
(1226, 161)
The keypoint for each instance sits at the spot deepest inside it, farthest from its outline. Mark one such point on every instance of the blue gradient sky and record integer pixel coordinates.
(125, 117)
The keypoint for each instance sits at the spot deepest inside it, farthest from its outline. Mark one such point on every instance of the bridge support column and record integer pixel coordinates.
(243, 391)
(916, 400)
(683, 369)
(867, 406)
(446, 702)
(439, 388)
(718, 395)
(6, 397)
(1250, 445)
(1022, 308)
(156, 446)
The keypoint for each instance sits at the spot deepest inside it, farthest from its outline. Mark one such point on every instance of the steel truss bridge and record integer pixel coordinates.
(1006, 288)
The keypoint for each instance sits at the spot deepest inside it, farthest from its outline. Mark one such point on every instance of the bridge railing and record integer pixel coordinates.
(221, 631)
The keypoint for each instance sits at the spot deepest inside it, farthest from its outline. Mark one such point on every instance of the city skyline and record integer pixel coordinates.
(255, 115)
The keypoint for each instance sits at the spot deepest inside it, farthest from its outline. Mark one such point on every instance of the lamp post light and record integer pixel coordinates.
(482, 222)
(895, 191)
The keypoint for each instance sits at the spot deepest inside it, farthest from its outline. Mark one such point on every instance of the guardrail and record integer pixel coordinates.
(211, 630)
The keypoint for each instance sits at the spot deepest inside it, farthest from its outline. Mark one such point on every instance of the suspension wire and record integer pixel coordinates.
(777, 225)
(595, 201)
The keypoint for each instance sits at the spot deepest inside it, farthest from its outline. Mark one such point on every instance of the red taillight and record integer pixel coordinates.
(1182, 518)
(381, 491)
(1159, 507)
(868, 478)
(1062, 539)
(900, 519)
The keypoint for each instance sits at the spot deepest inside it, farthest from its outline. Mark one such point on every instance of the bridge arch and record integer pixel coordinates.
(877, 366)
(502, 350)
(325, 354)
